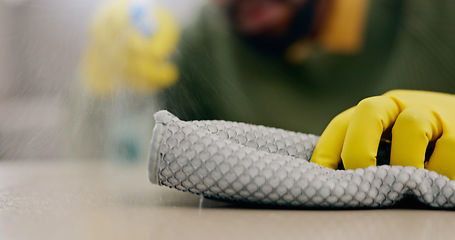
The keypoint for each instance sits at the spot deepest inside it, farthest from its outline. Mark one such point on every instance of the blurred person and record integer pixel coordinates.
(296, 64)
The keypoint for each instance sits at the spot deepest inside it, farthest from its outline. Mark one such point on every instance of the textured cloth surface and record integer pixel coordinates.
(255, 164)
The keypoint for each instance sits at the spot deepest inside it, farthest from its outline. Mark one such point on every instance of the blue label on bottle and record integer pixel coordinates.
(142, 16)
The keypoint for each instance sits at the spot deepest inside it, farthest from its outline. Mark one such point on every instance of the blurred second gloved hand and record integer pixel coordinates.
(415, 119)
(130, 44)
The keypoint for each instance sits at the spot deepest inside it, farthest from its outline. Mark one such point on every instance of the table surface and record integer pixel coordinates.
(99, 200)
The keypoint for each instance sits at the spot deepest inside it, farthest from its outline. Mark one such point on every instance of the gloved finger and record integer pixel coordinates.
(442, 160)
(371, 118)
(328, 150)
(414, 128)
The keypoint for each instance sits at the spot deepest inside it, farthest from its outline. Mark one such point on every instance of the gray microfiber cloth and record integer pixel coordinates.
(260, 165)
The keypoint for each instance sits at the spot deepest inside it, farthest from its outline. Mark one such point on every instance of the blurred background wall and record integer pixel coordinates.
(40, 48)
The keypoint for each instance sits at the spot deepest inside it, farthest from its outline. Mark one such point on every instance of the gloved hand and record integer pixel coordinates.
(130, 44)
(415, 118)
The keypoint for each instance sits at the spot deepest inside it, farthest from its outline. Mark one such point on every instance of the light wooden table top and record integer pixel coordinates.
(93, 200)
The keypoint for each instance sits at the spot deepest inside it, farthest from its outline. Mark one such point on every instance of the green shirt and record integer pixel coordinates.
(407, 45)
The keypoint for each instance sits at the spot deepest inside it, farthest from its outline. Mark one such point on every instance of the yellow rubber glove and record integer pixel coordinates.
(415, 118)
